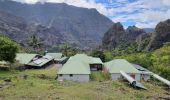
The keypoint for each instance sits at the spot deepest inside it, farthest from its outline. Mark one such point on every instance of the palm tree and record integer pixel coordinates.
(65, 49)
(35, 42)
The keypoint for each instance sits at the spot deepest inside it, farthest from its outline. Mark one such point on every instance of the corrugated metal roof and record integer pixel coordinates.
(117, 65)
(81, 58)
(141, 69)
(25, 58)
(41, 61)
(79, 64)
(96, 60)
(56, 56)
(75, 67)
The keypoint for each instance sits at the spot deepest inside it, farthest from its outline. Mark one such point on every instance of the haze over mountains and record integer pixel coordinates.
(54, 23)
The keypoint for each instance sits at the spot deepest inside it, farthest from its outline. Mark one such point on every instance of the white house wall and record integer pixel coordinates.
(75, 77)
(116, 76)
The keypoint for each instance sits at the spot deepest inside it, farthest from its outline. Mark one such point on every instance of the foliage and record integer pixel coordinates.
(68, 50)
(99, 76)
(161, 61)
(8, 49)
(157, 61)
(35, 42)
(99, 54)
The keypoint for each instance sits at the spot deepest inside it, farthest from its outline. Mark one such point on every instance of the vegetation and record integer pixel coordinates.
(68, 50)
(99, 54)
(40, 84)
(35, 42)
(156, 61)
(8, 49)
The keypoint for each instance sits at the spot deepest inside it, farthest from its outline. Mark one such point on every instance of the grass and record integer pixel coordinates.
(40, 84)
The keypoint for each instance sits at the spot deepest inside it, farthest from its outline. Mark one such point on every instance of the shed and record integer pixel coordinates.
(75, 71)
(115, 66)
(145, 73)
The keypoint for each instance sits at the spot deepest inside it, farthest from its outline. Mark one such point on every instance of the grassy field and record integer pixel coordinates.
(40, 85)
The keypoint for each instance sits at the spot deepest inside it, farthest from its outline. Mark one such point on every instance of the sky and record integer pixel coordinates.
(141, 13)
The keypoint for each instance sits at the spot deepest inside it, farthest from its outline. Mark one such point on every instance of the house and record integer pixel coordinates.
(40, 62)
(115, 66)
(96, 64)
(75, 71)
(79, 67)
(145, 74)
(25, 58)
(56, 56)
(33, 60)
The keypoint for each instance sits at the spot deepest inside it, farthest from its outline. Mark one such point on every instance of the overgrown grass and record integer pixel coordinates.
(99, 76)
(46, 88)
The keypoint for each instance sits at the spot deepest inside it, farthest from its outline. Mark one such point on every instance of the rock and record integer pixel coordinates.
(160, 36)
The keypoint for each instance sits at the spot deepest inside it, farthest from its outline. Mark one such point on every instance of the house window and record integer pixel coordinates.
(71, 75)
(60, 74)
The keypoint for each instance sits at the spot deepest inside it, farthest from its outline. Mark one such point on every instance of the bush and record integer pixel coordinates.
(8, 49)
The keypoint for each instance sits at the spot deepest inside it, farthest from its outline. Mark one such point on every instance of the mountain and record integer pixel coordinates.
(149, 30)
(113, 36)
(117, 35)
(81, 26)
(17, 29)
(160, 36)
(132, 32)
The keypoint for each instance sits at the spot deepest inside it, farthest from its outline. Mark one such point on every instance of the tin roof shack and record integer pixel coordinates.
(145, 74)
(115, 66)
(41, 62)
(75, 71)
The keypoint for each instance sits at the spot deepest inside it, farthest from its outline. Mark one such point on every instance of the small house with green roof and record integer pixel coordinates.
(115, 66)
(94, 63)
(78, 68)
(75, 71)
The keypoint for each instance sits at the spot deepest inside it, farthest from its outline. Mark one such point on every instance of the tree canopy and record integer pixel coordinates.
(8, 49)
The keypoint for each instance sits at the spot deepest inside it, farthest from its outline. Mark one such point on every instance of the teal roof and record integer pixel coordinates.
(41, 61)
(25, 58)
(75, 67)
(79, 64)
(82, 58)
(56, 56)
(96, 60)
(117, 65)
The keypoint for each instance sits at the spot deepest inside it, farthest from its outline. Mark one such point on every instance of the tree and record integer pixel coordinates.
(35, 42)
(8, 49)
(68, 50)
(97, 53)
